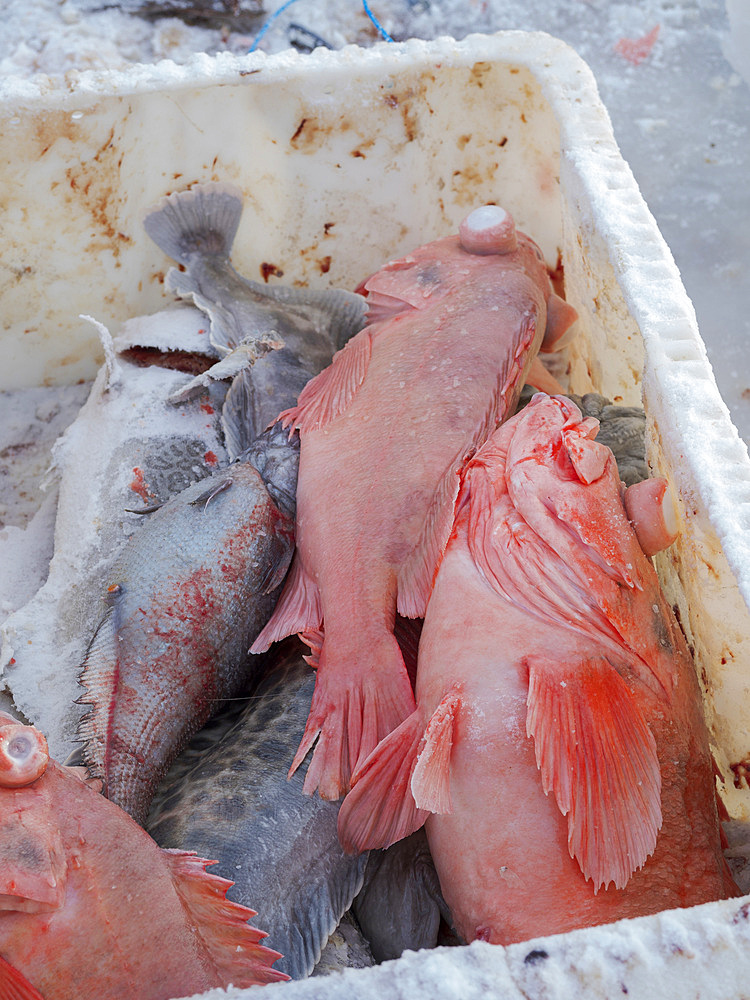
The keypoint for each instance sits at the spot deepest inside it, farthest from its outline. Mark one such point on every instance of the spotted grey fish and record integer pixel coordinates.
(228, 794)
(196, 228)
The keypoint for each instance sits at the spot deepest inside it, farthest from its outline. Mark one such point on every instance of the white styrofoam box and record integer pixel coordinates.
(346, 159)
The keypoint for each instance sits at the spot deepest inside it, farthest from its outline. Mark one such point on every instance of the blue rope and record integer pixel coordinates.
(272, 19)
(383, 33)
(269, 22)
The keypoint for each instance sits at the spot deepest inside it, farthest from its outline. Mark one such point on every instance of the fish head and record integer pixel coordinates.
(567, 487)
(32, 857)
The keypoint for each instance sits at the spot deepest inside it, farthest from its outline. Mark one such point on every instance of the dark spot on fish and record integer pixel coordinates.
(478, 71)
(270, 270)
(742, 914)
(230, 807)
(324, 264)
(624, 988)
(248, 72)
(536, 956)
(503, 141)
(523, 118)
(30, 854)
(327, 228)
(429, 275)
(358, 153)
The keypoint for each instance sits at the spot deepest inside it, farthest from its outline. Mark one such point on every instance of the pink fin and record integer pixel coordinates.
(351, 712)
(430, 782)
(232, 945)
(298, 609)
(598, 755)
(541, 379)
(417, 574)
(380, 809)
(327, 395)
(560, 318)
(589, 458)
(14, 985)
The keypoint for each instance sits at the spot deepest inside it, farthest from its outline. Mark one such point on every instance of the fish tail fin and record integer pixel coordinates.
(380, 808)
(353, 709)
(232, 945)
(298, 609)
(597, 754)
(203, 218)
(14, 985)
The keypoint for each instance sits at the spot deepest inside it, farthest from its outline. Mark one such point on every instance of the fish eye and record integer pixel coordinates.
(19, 747)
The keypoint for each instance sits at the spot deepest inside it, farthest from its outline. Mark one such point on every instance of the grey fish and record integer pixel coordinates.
(279, 846)
(197, 228)
(228, 794)
(185, 599)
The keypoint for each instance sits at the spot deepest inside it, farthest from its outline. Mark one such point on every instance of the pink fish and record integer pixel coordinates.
(558, 751)
(453, 328)
(91, 908)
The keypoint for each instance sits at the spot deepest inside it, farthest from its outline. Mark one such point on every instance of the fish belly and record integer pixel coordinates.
(502, 853)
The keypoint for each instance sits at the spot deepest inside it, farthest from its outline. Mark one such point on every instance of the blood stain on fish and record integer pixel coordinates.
(139, 485)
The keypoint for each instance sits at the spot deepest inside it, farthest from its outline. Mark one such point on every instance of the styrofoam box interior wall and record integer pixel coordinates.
(347, 159)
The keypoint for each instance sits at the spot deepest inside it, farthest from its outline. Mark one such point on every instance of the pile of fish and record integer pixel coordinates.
(534, 758)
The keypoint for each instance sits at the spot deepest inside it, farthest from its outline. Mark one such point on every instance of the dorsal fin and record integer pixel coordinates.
(99, 677)
(232, 946)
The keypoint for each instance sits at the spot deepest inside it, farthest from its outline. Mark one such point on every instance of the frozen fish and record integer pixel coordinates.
(90, 907)
(185, 599)
(126, 449)
(197, 228)
(558, 753)
(453, 328)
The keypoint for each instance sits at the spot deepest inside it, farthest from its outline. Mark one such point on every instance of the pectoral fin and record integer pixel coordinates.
(430, 782)
(14, 985)
(327, 395)
(598, 756)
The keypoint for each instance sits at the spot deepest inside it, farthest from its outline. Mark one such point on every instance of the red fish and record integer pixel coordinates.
(453, 329)
(558, 752)
(91, 908)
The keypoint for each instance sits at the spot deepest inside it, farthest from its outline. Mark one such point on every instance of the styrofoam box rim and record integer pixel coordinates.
(594, 171)
(667, 945)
